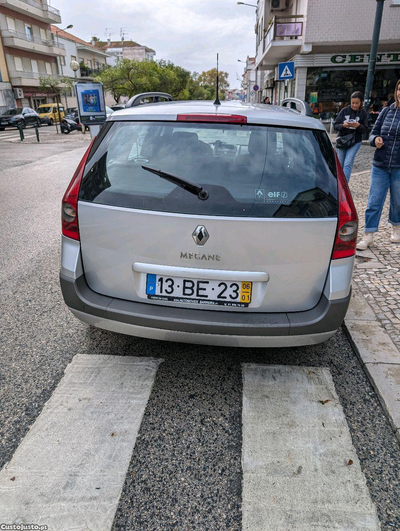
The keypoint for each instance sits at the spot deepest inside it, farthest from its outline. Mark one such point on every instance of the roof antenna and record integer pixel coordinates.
(217, 102)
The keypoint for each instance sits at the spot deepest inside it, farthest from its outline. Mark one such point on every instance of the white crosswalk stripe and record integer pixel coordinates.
(13, 137)
(69, 471)
(300, 470)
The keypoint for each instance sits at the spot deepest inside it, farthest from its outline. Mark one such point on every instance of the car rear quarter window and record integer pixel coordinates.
(248, 171)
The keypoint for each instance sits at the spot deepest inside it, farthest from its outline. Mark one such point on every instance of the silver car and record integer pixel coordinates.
(221, 225)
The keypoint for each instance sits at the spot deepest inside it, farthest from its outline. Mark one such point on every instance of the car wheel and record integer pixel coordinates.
(38, 123)
(22, 124)
(51, 121)
(66, 131)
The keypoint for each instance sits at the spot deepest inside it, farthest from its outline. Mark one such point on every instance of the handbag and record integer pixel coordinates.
(346, 142)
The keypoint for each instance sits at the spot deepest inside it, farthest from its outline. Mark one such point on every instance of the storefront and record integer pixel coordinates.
(326, 81)
(33, 98)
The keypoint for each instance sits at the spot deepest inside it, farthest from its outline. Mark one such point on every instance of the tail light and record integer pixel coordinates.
(346, 234)
(69, 206)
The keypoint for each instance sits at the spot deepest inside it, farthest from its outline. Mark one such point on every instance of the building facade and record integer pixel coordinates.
(249, 81)
(118, 50)
(329, 43)
(7, 99)
(91, 60)
(29, 49)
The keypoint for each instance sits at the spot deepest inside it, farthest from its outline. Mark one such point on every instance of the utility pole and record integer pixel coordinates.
(372, 55)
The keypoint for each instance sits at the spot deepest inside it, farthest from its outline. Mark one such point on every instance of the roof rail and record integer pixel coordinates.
(297, 105)
(155, 97)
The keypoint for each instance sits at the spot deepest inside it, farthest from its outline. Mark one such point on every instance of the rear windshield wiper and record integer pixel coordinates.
(186, 185)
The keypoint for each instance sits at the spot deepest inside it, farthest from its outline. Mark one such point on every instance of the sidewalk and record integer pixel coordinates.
(373, 319)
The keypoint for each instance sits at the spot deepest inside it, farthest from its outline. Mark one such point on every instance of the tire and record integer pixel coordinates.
(22, 124)
(51, 121)
(66, 131)
(38, 123)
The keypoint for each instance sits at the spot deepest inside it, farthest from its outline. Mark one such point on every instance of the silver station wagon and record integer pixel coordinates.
(225, 224)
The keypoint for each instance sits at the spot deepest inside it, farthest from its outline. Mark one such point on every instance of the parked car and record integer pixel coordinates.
(49, 114)
(224, 225)
(148, 97)
(71, 110)
(19, 117)
(117, 107)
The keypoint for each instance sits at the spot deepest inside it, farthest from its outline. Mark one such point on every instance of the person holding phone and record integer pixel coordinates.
(385, 136)
(351, 123)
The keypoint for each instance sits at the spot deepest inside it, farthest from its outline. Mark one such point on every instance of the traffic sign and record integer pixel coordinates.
(256, 87)
(286, 71)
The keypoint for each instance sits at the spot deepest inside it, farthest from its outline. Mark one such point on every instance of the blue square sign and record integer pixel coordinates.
(286, 70)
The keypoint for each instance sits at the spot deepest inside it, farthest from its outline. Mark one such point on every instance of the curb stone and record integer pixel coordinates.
(379, 357)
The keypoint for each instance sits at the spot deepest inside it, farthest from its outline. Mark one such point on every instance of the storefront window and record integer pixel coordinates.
(329, 90)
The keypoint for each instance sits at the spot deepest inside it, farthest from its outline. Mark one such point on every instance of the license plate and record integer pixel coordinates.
(216, 292)
(4, 123)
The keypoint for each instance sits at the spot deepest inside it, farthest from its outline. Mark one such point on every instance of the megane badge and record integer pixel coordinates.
(200, 235)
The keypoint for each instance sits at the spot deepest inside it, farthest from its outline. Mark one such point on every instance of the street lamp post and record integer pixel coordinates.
(372, 54)
(61, 65)
(244, 4)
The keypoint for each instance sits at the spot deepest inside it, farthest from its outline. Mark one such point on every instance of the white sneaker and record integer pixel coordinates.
(366, 242)
(395, 237)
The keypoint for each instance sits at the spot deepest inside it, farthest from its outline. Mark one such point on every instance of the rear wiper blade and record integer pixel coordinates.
(186, 185)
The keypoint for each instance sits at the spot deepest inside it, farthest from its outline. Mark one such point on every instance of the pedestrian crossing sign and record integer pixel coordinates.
(286, 71)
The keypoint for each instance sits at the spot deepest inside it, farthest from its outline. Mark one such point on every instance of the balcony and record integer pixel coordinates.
(28, 79)
(282, 39)
(90, 73)
(35, 9)
(22, 41)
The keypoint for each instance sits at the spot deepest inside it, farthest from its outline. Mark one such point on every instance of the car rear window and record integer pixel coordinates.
(248, 171)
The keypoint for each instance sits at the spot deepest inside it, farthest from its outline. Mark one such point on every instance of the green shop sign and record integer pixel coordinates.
(361, 58)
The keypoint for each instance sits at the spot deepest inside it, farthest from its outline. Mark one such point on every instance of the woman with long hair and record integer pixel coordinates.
(385, 173)
(351, 123)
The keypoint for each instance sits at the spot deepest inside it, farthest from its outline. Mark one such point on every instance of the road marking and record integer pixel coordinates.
(69, 470)
(13, 137)
(300, 469)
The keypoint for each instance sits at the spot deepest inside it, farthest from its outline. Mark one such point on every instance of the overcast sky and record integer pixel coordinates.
(187, 32)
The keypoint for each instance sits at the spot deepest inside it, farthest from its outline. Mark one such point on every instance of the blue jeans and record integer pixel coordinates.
(381, 180)
(346, 158)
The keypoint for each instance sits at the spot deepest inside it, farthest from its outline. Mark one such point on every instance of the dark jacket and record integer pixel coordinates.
(361, 117)
(387, 126)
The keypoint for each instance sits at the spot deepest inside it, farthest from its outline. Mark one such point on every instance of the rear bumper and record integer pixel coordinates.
(205, 327)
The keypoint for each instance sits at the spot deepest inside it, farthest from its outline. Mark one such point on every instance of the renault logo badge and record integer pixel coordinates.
(200, 235)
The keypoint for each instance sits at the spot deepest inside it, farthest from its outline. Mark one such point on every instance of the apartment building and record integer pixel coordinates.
(29, 48)
(7, 99)
(329, 43)
(118, 50)
(91, 60)
(249, 80)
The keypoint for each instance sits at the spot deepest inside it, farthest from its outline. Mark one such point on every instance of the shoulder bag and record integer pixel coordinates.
(347, 141)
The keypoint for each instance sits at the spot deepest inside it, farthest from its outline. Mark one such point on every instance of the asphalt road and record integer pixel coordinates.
(185, 472)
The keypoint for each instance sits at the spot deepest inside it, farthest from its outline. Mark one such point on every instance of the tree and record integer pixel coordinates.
(95, 39)
(210, 78)
(130, 77)
(56, 86)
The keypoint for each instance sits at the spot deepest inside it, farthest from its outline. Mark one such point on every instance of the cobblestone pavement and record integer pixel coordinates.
(377, 270)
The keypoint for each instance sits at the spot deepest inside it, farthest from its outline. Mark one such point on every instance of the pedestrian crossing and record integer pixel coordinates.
(13, 136)
(300, 470)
